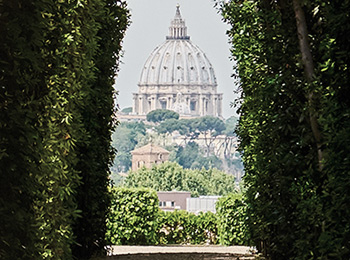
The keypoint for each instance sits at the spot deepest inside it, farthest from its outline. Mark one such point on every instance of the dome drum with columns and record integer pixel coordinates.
(178, 76)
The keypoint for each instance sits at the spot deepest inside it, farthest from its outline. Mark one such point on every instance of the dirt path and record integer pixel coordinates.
(180, 253)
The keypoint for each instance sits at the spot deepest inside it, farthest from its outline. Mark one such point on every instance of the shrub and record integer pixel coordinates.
(182, 227)
(132, 219)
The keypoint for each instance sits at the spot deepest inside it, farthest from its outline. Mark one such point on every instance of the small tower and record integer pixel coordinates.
(148, 155)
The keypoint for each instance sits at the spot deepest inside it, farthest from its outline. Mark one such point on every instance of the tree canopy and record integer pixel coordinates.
(160, 115)
(193, 127)
(171, 176)
(191, 157)
(124, 140)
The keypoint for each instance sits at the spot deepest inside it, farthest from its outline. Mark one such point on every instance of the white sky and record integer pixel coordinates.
(150, 23)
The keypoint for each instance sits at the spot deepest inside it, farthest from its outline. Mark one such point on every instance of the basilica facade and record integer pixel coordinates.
(178, 76)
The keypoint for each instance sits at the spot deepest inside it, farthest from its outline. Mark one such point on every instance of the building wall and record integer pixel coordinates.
(201, 102)
(171, 200)
(202, 204)
(147, 160)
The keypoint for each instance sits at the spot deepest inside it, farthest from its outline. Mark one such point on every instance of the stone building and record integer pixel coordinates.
(148, 155)
(178, 76)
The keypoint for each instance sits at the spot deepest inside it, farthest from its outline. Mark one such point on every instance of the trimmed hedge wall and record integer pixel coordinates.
(135, 219)
(58, 61)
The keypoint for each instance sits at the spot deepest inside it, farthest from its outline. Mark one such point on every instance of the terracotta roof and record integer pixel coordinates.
(150, 149)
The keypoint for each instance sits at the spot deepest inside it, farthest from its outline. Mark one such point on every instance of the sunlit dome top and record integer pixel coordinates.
(177, 60)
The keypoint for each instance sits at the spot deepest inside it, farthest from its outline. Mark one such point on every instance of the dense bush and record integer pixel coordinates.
(182, 227)
(133, 217)
(232, 220)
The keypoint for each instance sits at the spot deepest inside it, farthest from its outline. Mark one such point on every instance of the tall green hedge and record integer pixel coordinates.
(50, 68)
(95, 151)
(294, 123)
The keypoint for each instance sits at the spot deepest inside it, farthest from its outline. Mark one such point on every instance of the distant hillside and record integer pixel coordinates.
(205, 142)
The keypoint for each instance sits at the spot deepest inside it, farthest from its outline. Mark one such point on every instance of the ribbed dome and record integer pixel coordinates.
(177, 60)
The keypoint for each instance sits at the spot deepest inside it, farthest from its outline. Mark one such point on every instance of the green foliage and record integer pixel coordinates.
(95, 150)
(230, 126)
(55, 122)
(171, 176)
(208, 126)
(135, 219)
(182, 227)
(132, 219)
(296, 205)
(232, 216)
(171, 125)
(125, 138)
(191, 157)
(160, 115)
(193, 127)
(186, 156)
(126, 110)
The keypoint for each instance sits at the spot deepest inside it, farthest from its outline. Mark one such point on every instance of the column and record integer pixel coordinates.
(140, 110)
(134, 104)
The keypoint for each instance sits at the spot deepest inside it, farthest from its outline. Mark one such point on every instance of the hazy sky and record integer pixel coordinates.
(150, 23)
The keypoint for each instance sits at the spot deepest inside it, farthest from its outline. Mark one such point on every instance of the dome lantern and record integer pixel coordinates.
(178, 29)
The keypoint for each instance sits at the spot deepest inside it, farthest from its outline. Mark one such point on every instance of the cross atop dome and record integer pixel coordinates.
(178, 15)
(178, 29)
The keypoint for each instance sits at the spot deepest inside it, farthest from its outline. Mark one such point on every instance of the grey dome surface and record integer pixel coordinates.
(177, 61)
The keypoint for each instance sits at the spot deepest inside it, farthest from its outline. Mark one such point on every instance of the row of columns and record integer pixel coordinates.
(143, 104)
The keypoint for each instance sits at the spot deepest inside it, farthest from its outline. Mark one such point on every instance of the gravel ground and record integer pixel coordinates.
(123, 250)
(180, 253)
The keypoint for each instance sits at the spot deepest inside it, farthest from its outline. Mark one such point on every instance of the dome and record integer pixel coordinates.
(178, 76)
(177, 60)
